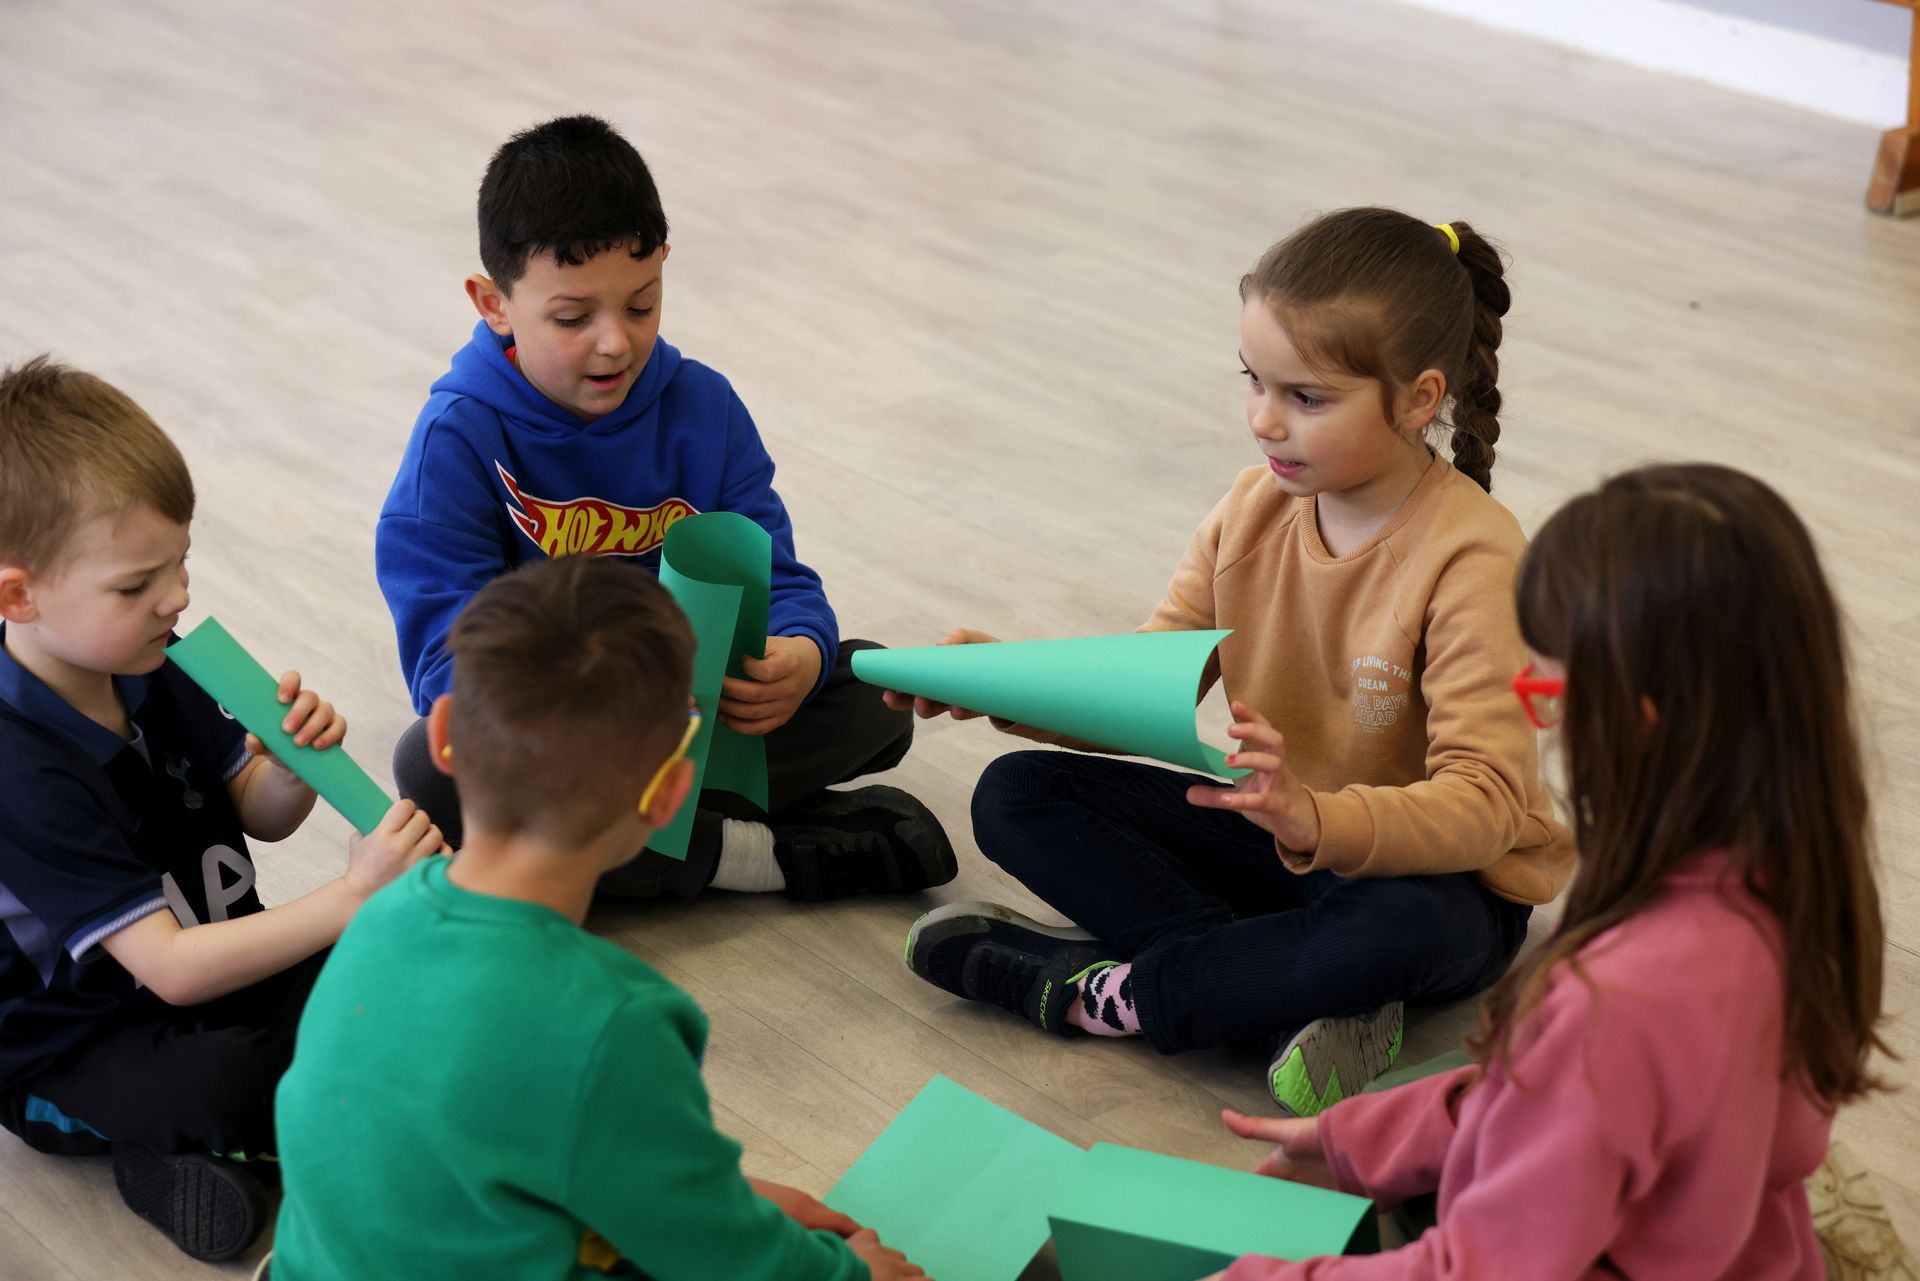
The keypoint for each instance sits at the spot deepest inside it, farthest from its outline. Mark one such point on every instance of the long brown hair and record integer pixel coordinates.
(1695, 589)
(1379, 294)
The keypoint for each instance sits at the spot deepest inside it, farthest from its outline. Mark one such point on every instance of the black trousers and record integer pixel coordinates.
(186, 1079)
(842, 733)
(1226, 943)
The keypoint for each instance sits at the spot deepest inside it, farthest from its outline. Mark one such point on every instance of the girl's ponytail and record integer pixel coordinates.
(1475, 415)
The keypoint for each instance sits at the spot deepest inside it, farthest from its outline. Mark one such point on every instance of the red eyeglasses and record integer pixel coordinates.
(1543, 697)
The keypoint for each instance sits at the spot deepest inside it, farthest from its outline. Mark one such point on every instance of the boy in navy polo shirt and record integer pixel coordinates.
(568, 426)
(147, 999)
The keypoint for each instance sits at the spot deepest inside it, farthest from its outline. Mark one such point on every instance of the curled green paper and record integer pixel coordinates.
(1134, 693)
(719, 568)
(233, 678)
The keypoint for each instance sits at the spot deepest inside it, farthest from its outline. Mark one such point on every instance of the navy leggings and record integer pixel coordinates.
(1226, 943)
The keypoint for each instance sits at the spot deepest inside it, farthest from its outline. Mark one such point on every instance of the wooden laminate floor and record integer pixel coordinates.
(972, 265)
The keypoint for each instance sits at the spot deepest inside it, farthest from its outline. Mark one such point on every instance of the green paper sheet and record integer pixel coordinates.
(215, 661)
(718, 566)
(959, 1184)
(1134, 693)
(1128, 1215)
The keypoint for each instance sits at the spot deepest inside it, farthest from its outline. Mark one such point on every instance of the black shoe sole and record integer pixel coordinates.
(212, 1209)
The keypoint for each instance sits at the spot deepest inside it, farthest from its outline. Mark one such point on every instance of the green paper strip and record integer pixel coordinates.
(1133, 693)
(718, 567)
(1128, 1215)
(217, 663)
(958, 1184)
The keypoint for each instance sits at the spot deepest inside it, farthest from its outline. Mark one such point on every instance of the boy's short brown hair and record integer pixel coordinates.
(72, 444)
(570, 686)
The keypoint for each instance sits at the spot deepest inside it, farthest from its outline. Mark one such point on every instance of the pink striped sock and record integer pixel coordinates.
(1105, 1007)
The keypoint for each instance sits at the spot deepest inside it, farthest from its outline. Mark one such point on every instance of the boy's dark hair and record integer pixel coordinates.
(570, 685)
(1379, 294)
(71, 446)
(572, 187)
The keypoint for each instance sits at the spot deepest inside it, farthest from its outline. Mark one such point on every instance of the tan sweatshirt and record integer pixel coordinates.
(1390, 673)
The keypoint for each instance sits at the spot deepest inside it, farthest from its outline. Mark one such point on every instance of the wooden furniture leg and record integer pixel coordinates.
(1895, 186)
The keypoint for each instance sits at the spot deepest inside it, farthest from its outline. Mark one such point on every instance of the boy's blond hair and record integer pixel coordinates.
(72, 445)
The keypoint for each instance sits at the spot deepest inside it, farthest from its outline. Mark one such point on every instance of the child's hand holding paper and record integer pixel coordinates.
(806, 1210)
(927, 708)
(883, 1263)
(311, 720)
(402, 838)
(772, 688)
(1271, 797)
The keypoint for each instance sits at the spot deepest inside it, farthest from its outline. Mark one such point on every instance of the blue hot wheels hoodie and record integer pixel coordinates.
(496, 474)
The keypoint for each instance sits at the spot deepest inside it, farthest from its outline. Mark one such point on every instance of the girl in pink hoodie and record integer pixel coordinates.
(1656, 1082)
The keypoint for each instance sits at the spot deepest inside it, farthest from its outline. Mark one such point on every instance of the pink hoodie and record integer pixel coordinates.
(1642, 1129)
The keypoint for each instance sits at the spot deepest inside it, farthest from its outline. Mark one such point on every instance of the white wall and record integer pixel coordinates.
(1882, 27)
(1844, 58)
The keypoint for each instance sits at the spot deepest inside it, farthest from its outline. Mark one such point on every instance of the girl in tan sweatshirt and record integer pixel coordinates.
(1394, 833)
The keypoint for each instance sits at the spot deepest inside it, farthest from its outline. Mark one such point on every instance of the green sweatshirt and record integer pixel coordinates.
(478, 1082)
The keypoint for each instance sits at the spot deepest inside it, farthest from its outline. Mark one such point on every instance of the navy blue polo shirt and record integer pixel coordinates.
(96, 833)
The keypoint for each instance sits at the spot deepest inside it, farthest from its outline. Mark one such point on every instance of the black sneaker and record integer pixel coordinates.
(873, 840)
(985, 952)
(212, 1209)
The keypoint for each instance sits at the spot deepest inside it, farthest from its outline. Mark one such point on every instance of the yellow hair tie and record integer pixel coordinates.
(1453, 237)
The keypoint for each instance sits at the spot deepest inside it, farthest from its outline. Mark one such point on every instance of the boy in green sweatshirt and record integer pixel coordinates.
(481, 1087)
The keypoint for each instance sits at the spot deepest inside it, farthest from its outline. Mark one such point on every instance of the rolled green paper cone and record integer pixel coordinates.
(1134, 693)
(711, 608)
(718, 566)
(218, 664)
(729, 549)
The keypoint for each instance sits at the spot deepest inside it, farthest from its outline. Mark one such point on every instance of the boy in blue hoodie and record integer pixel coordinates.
(568, 426)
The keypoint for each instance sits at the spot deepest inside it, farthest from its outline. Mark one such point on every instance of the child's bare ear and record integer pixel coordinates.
(672, 794)
(16, 595)
(1423, 400)
(490, 301)
(440, 747)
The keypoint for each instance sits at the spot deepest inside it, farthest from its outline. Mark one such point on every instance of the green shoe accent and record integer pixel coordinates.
(1292, 1088)
(1074, 981)
(1072, 985)
(1346, 1053)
